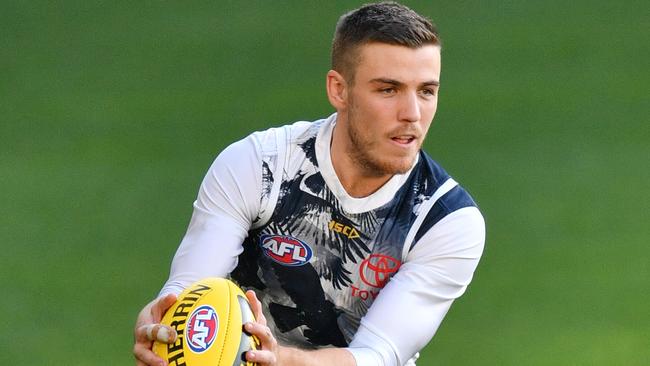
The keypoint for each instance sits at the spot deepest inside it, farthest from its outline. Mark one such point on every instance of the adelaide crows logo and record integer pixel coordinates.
(285, 250)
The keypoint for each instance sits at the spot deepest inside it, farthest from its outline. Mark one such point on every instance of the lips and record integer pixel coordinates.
(403, 139)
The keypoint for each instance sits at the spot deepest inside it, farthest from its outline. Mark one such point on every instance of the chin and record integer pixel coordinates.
(397, 166)
(402, 169)
(383, 163)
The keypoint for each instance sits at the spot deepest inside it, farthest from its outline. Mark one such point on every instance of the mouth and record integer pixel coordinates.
(404, 140)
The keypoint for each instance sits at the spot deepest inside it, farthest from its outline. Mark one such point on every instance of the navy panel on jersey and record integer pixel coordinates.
(453, 200)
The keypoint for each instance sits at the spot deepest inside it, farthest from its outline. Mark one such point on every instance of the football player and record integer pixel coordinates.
(352, 241)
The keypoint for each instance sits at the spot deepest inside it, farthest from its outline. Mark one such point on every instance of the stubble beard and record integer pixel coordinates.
(361, 150)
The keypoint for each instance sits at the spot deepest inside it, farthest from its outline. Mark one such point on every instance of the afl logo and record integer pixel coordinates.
(286, 250)
(377, 269)
(202, 328)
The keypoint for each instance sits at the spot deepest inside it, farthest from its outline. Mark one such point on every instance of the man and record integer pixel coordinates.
(354, 241)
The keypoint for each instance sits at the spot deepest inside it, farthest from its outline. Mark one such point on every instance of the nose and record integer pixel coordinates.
(410, 108)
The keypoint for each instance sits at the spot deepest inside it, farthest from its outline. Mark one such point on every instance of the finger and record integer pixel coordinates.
(144, 356)
(155, 332)
(261, 357)
(256, 306)
(161, 306)
(263, 333)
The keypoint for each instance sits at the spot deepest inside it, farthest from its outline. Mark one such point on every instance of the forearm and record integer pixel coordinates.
(289, 356)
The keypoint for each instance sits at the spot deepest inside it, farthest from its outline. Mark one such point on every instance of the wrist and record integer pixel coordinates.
(284, 355)
(290, 356)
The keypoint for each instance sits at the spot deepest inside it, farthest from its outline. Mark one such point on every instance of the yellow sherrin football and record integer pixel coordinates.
(208, 318)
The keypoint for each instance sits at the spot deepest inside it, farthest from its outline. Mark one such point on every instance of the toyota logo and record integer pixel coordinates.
(377, 269)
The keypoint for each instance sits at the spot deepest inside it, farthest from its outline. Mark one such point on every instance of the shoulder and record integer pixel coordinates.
(448, 197)
(276, 154)
(272, 140)
(269, 147)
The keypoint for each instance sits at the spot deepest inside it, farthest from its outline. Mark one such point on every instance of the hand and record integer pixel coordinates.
(269, 350)
(148, 329)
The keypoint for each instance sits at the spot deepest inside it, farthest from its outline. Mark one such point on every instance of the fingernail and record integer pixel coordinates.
(251, 355)
(249, 326)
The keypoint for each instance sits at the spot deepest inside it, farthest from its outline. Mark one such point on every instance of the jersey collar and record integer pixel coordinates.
(352, 204)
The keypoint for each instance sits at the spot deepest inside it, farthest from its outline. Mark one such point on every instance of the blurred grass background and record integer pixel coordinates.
(111, 112)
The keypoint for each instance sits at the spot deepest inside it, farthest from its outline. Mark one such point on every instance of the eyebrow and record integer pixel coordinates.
(398, 83)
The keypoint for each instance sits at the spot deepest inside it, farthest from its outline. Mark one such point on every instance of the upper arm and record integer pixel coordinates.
(227, 203)
(232, 185)
(409, 310)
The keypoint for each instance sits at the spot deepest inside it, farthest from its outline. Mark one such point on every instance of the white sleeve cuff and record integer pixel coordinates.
(369, 348)
(365, 356)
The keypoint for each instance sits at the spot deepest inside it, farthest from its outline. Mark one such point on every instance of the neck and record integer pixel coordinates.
(358, 181)
(359, 186)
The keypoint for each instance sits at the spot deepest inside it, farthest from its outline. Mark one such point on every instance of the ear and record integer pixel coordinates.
(337, 90)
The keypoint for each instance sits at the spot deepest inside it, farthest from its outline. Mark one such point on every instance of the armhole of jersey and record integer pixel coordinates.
(426, 206)
(278, 173)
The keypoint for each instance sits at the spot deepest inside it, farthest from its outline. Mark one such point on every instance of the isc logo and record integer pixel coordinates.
(202, 328)
(286, 250)
(346, 230)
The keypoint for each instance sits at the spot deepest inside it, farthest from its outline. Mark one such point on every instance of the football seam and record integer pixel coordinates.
(227, 325)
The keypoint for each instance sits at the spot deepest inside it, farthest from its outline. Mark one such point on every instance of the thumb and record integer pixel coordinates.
(256, 307)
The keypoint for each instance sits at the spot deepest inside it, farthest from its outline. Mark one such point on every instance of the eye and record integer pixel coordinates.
(428, 92)
(387, 91)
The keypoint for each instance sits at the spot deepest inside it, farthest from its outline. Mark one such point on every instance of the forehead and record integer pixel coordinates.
(381, 60)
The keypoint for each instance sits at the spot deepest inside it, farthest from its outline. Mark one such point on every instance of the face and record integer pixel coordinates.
(389, 107)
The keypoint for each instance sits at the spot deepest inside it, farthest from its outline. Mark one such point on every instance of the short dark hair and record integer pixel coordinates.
(385, 22)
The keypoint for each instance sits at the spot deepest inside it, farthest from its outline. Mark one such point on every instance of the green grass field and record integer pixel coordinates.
(111, 112)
